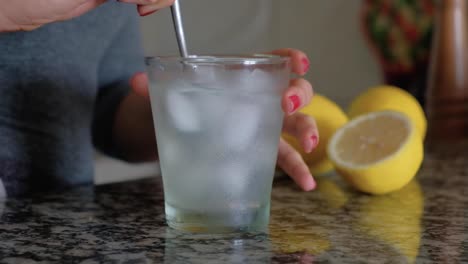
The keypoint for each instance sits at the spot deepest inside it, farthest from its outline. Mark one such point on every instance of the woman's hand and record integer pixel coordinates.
(146, 7)
(30, 14)
(26, 15)
(299, 125)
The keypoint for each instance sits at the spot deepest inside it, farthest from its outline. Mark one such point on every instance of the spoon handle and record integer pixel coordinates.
(179, 28)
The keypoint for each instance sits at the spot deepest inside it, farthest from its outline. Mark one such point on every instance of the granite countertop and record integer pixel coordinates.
(426, 222)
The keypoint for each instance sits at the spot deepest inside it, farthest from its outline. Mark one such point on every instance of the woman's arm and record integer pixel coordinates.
(134, 112)
(5, 24)
(118, 113)
(133, 126)
(17, 15)
(27, 15)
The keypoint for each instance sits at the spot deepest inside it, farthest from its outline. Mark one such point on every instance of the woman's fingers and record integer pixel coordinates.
(139, 84)
(304, 129)
(299, 61)
(292, 163)
(146, 7)
(298, 95)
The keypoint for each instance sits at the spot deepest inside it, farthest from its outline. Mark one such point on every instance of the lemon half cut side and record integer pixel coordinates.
(387, 97)
(378, 152)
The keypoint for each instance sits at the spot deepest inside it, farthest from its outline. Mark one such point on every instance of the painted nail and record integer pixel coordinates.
(311, 144)
(314, 140)
(305, 64)
(294, 103)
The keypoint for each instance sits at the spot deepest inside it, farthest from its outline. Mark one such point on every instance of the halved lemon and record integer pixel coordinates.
(387, 97)
(377, 153)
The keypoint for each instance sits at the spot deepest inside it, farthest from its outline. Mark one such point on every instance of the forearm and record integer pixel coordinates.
(5, 23)
(133, 129)
(9, 24)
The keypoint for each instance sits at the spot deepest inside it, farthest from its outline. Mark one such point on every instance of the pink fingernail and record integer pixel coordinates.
(314, 140)
(305, 64)
(294, 103)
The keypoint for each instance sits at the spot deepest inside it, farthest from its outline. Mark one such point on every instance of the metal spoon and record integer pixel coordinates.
(179, 28)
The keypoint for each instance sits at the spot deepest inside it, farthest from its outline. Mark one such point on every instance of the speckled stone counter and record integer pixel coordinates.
(426, 222)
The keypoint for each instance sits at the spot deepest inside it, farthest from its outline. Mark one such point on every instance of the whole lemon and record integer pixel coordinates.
(329, 117)
(386, 97)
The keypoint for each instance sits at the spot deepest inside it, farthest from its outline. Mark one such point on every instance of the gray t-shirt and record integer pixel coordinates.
(60, 86)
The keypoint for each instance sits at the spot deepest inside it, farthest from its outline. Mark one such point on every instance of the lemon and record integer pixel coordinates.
(387, 97)
(377, 153)
(329, 117)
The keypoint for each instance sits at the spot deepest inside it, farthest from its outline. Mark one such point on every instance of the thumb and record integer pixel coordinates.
(139, 84)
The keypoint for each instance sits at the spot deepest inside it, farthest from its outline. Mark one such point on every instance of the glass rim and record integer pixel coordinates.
(221, 59)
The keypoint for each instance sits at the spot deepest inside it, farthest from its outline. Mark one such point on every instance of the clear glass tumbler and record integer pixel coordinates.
(218, 122)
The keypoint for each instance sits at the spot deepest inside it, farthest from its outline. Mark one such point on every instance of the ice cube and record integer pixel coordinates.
(212, 186)
(206, 75)
(253, 81)
(171, 150)
(241, 125)
(234, 178)
(263, 80)
(182, 110)
(212, 104)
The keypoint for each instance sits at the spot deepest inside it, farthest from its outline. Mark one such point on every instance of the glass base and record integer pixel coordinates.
(250, 219)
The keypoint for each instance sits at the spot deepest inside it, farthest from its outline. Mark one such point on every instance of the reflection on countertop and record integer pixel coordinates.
(425, 222)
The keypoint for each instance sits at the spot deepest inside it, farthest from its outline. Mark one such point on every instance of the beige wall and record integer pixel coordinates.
(341, 64)
(328, 30)
(212, 26)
